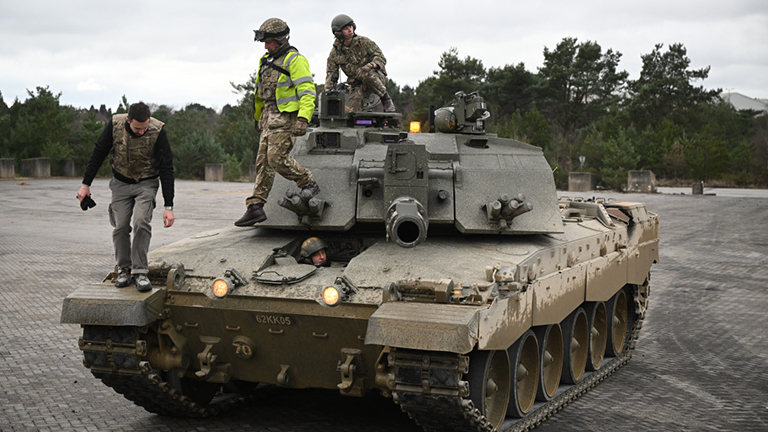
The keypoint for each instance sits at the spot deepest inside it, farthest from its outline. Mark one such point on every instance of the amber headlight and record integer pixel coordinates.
(331, 295)
(221, 287)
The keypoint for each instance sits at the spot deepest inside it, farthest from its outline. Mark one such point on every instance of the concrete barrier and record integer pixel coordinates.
(67, 168)
(641, 181)
(698, 188)
(582, 181)
(252, 173)
(36, 167)
(214, 172)
(7, 168)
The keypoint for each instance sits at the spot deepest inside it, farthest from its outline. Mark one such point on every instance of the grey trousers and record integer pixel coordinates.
(137, 201)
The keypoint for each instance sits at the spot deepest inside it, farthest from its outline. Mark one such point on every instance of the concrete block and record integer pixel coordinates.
(7, 168)
(641, 181)
(36, 167)
(582, 181)
(67, 168)
(698, 188)
(214, 172)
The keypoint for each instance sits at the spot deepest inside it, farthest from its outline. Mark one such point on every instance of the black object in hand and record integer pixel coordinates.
(87, 203)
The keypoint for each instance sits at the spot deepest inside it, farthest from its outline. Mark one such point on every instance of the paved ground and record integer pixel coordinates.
(701, 362)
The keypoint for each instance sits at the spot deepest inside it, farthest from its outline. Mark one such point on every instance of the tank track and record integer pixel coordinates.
(113, 354)
(428, 387)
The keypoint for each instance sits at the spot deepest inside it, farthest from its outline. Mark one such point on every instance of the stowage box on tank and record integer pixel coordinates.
(456, 283)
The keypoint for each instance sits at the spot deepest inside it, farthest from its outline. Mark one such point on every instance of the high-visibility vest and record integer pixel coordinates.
(295, 90)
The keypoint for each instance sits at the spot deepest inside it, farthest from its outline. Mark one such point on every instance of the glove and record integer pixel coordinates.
(87, 203)
(368, 67)
(256, 125)
(300, 127)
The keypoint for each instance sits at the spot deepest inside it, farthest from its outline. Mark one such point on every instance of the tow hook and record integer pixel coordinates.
(347, 370)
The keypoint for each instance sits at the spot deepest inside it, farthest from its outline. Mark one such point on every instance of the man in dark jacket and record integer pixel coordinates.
(141, 160)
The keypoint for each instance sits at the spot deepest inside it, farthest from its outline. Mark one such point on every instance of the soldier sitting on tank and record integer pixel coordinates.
(362, 62)
(314, 251)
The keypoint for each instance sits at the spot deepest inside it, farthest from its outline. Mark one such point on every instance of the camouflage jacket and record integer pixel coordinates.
(350, 59)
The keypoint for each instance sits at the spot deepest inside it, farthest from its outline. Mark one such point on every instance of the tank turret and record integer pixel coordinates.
(460, 176)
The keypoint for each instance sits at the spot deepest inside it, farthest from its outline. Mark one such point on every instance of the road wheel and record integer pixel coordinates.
(598, 334)
(550, 340)
(616, 310)
(489, 384)
(524, 362)
(576, 346)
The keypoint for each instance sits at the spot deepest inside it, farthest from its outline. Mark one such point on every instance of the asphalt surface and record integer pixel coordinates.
(701, 362)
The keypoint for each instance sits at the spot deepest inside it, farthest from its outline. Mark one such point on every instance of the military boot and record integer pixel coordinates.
(253, 215)
(387, 103)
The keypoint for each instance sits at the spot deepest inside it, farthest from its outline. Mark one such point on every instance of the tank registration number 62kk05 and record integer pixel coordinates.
(273, 319)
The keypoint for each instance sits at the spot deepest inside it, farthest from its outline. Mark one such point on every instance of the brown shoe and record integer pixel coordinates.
(253, 215)
(387, 104)
(313, 188)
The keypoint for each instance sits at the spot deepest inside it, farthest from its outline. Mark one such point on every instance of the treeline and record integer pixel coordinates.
(42, 127)
(579, 103)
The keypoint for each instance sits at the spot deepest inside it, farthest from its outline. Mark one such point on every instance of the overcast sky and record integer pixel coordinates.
(179, 52)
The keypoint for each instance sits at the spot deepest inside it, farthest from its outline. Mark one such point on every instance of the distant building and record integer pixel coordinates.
(741, 102)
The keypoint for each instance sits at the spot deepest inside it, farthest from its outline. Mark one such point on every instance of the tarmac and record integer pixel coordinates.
(701, 362)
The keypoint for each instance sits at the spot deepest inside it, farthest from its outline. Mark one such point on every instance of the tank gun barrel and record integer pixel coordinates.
(406, 223)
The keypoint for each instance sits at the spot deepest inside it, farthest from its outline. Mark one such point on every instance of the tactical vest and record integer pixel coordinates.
(134, 157)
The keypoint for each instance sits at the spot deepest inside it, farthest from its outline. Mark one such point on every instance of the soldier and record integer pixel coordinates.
(362, 62)
(314, 251)
(141, 160)
(284, 102)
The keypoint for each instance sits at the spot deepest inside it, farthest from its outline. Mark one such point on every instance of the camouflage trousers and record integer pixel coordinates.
(275, 145)
(367, 83)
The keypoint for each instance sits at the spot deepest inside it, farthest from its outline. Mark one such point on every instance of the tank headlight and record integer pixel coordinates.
(331, 295)
(221, 287)
(415, 127)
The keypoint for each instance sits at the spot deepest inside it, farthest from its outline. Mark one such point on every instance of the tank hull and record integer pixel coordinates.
(404, 304)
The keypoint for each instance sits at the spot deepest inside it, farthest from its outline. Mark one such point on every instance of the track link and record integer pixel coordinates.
(113, 354)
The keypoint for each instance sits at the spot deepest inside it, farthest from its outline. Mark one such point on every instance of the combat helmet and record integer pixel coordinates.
(273, 28)
(311, 246)
(339, 22)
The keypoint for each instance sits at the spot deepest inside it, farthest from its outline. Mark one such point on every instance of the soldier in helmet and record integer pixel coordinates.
(362, 62)
(284, 100)
(314, 251)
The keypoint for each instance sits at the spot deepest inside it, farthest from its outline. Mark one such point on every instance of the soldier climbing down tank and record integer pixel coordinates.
(284, 101)
(362, 62)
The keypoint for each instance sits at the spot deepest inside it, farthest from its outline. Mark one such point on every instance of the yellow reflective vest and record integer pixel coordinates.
(295, 92)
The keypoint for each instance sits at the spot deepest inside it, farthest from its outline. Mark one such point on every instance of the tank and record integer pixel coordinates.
(456, 284)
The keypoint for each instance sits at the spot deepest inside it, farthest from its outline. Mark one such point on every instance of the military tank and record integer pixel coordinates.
(456, 283)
